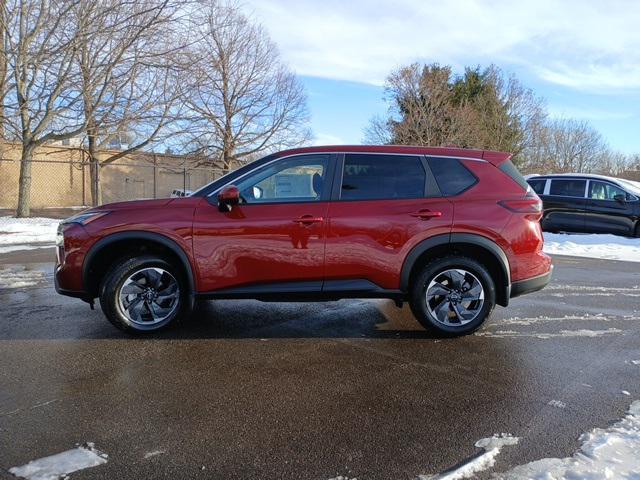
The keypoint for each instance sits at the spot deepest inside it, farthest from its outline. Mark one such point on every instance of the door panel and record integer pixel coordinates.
(370, 239)
(277, 232)
(604, 213)
(563, 213)
(609, 216)
(259, 244)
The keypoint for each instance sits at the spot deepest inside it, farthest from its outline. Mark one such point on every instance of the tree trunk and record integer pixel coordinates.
(94, 167)
(24, 185)
(94, 175)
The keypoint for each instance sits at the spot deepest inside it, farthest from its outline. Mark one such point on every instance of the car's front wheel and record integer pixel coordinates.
(453, 295)
(143, 294)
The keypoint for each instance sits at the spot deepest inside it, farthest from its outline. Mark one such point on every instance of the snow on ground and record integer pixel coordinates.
(23, 233)
(612, 452)
(484, 461)
(19, 277)
(608, 247)
(61, 464)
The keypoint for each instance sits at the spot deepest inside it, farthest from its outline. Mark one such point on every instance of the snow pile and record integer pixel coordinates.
(22, 233)
(61, 464)
(608, 247)
(487, 459)
(612, 452)
(18, 277)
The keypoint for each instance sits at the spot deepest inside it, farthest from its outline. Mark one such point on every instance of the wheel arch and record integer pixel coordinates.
(105, 251)
(476, 246)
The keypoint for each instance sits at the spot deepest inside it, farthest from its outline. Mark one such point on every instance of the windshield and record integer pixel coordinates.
(631, 186)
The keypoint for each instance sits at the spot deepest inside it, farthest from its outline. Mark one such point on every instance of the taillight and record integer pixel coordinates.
(531, 206)
(524, 205)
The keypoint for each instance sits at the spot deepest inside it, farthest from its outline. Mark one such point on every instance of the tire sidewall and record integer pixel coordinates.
(431, 271)
(110, 288)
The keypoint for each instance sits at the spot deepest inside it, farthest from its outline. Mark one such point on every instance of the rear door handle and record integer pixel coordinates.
(308, 219)
(426, 214)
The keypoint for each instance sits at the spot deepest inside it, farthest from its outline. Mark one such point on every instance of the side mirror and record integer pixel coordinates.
(620, 198)
(228, 197)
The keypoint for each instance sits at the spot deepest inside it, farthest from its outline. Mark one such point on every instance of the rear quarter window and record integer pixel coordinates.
(451, 175)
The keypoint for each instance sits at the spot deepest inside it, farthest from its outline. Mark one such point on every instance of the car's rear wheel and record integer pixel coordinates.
(453, 295)
(143, 294)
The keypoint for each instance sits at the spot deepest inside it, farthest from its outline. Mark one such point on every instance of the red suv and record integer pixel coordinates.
(451, 231)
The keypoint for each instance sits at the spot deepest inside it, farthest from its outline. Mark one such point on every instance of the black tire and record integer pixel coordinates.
(436, 270)
(114, 280)
(637, 232)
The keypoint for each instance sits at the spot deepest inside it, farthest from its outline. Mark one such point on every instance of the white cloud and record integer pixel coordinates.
(589, 45)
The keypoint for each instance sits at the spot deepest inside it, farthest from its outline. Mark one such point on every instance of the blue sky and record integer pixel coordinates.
(582, 57)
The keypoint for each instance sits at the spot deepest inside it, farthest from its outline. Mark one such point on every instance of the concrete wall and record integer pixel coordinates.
(61, 179)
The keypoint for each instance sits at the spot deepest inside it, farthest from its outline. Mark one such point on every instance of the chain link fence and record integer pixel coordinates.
(66, 183)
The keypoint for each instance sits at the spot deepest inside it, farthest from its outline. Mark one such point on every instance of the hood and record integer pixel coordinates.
(133, 204)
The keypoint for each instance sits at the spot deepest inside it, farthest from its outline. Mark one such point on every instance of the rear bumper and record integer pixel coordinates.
(530, 285)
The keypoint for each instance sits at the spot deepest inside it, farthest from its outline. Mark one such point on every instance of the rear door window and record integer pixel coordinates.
(568, 187)
(374, 177)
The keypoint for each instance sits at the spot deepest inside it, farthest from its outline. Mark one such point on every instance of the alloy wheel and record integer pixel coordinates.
(148, 297)
(455, 297)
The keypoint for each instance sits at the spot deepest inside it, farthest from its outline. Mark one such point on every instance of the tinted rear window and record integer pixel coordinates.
(370, 177)
(452, 176)
(537, 185)
(568, 188)
(510, 169)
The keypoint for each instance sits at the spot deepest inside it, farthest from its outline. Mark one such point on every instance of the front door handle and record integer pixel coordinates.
(426, 214)
(308, 220)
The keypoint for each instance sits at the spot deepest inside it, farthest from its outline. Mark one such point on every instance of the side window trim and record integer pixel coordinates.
(431, 185)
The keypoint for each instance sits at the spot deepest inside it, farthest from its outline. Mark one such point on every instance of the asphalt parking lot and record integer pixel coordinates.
(250, 390)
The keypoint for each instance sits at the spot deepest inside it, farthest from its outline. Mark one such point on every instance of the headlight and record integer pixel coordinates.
(60, 235)
(84, 218)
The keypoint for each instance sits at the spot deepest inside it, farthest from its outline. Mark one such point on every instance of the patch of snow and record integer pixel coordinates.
(19, 277)
(484, 461)
(605, 453)
(15, 248)
(61, 464)
(153, 454)
(608, 247)
(624, 392)
(557, 404)
(20, 231)
(544, 336)
(635, 362)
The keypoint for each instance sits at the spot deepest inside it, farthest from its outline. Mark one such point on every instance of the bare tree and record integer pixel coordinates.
(42, 102)
(125, 59)
(240, 97)
(567, 146)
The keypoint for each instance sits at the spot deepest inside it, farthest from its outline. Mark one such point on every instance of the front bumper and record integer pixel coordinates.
(531, 285)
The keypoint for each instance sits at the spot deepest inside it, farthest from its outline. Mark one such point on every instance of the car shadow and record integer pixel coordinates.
(340, 319)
